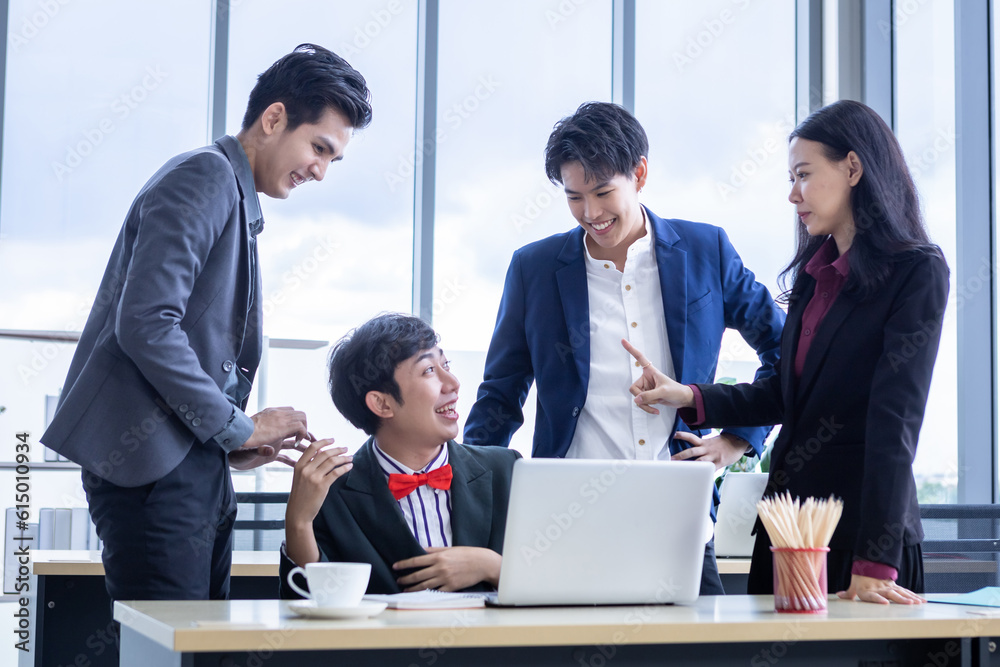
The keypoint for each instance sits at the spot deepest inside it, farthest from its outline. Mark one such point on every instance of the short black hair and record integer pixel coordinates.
(366, 359)
(308, 81)
(603, 137)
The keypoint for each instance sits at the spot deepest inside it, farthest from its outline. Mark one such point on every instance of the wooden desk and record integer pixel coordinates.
(88, 563)
(715, 631)
(71, 622)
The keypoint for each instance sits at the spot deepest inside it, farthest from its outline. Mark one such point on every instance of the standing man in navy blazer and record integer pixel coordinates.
(152, 407)
(625, 273)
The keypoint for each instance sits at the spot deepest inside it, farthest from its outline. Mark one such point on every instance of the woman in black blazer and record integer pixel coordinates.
(864, 320)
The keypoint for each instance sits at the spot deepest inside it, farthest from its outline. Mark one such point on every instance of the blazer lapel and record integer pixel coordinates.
(801, 293)
(368, 499)
(838, 312)
(572, 281)
(671, 264)
(471, 499)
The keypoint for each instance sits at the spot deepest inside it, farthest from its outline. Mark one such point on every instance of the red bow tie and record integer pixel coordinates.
(403, 485)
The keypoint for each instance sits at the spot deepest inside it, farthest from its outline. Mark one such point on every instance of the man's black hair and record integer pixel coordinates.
(366, 359)
(603, 137)
(308, 81)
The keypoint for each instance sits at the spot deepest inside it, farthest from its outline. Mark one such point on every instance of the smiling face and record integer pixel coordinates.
(821, 190)
(609, 211)
(287, 159)
(427, 415)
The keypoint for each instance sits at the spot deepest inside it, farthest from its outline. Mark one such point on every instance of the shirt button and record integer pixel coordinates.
(607, 266)
(634, 325)
(642, 442)
(826, 295)
(807, 332)
(227, 365)
(628, 288)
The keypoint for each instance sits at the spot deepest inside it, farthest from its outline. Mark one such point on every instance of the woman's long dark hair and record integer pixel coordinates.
(884, 203)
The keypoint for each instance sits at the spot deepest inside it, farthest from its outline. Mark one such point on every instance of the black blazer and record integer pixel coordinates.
(360, 521)
(849, 425)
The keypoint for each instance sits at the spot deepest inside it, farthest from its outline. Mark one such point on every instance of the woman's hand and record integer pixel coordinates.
(655, 387)
(879, 591)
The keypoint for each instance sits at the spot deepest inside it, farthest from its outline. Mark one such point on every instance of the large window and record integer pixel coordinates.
(335, 253)
(718, 138)
(500, 92)
(925, 125)
(95, 103)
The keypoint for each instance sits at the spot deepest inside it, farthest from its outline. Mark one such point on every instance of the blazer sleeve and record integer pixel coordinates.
(750, 310)
(508, 374)
(896, 407)
(180, 222)
(754, 404)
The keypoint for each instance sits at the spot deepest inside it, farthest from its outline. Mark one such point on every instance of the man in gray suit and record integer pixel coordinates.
(152, 407)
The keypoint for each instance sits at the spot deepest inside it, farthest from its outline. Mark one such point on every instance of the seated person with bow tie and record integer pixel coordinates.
(425, 511)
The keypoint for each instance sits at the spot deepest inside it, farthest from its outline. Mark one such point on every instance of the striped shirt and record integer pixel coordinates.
(427, 511)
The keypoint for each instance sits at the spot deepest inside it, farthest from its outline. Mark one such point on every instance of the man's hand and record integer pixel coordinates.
(656, 387)
(879, 591)
(315, 471)
(450, 569)
(722, 450)
(274, 429)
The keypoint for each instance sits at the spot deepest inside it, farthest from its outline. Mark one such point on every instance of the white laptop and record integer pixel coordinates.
(605, 532)
(738, 512)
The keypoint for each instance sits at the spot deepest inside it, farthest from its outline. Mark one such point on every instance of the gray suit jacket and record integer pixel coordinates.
(174, 319)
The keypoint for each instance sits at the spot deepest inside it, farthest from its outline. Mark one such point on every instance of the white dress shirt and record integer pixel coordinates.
(629, 305)
(427, 510)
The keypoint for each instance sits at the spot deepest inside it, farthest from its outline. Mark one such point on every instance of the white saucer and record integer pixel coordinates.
(309, 609)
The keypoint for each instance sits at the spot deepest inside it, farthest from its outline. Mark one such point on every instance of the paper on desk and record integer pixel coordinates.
(430, 599)
(984, 597)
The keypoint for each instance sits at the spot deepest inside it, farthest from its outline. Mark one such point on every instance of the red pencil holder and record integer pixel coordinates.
(800, 580)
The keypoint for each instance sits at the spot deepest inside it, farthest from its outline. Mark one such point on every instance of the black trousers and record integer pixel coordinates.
(711, 583)
(171, 539)
(838, 569)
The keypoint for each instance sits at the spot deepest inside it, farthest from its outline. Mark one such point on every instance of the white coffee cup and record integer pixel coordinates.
(333, 584)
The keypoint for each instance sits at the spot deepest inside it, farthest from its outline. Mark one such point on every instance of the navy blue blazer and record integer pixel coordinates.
(172, 322)
(360, 521)
(542, 331)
